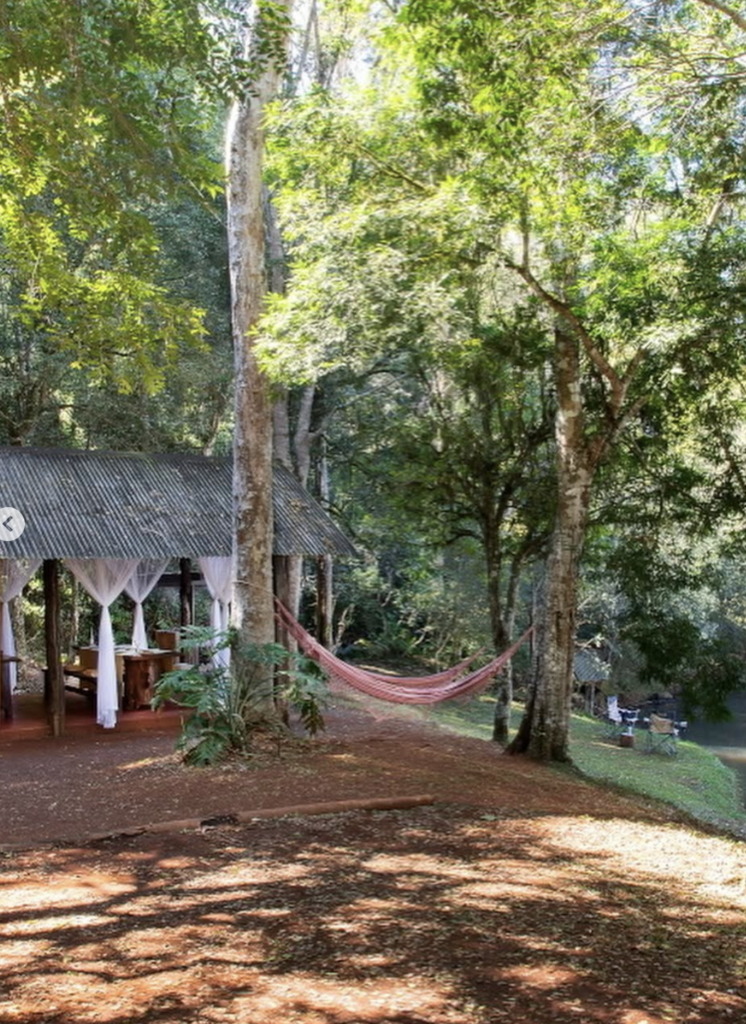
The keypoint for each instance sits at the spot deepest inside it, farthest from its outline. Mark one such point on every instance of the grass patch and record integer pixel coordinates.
(695, 781)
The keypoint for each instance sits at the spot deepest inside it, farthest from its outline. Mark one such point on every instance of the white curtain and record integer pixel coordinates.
(218, 574)
(104, 579)
(139, 585)
(14, 575)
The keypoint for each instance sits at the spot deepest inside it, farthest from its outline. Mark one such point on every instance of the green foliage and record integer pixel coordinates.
(103, 119)
(409, 600)
(222, 706)
(395, 282)
(50, 396)
(704, 670)
(217, 723)
(305, 691)
(665, 598)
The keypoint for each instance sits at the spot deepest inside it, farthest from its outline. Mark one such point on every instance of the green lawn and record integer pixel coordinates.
(695, 780)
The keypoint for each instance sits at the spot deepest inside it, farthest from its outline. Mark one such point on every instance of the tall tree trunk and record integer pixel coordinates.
(504, 689)
(293, 450)
(253, 614)
(281, 429)
(544, 731)
(302, 441)
(281, 564)
(303, 437)
(292, 571)
(493, 556)
(324, 565)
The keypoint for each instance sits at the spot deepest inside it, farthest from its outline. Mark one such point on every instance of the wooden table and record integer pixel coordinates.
(141, 672)
(137, 672)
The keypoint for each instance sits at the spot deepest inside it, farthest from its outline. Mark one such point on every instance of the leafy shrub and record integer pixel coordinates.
(222, 705)
(305, 690)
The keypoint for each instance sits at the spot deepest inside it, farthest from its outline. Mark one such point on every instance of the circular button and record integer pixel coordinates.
(12, 524)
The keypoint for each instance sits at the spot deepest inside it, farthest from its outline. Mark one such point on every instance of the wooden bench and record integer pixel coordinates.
(87, 678)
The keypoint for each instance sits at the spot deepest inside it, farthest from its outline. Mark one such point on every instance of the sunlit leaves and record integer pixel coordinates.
(378, 235)
(101, 119)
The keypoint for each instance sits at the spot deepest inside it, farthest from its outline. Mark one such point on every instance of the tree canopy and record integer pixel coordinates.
(498, 245)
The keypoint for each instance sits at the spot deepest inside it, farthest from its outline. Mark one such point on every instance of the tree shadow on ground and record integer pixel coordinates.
(443, 915)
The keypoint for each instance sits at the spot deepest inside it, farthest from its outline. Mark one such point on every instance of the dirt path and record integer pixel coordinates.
(524, 894)
(70, 790)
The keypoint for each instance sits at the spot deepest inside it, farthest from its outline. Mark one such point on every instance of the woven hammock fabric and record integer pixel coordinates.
(286, 619)
(394, 690)
(438, 677)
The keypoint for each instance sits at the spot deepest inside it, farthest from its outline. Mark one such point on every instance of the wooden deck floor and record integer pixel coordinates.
(30, 721)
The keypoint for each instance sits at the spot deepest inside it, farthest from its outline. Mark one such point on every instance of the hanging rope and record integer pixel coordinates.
(397, 691)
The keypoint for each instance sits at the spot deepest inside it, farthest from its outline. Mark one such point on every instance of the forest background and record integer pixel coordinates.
(505, 258)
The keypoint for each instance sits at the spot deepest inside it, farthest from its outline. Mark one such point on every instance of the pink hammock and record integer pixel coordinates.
(286, 620)
(397, 691)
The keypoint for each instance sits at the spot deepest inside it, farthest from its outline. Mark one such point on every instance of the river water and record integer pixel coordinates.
(726, 739)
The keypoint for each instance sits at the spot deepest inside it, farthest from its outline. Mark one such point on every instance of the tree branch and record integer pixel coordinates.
(727, 10)
(617, 385)
(391, 170)
(603, 441)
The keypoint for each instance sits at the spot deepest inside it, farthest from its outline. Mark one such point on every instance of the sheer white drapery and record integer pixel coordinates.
(104, 579)
(14, 575)
(139, 585)
(218, 574)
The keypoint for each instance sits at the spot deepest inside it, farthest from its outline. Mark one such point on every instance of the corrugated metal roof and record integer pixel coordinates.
(589, 668)
(91, 504)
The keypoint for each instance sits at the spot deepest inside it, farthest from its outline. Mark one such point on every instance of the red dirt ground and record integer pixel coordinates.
(523, 894)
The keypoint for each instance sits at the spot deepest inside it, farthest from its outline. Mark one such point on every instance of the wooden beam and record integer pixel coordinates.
(54, 690)
(186, 592)
(324, 601)
(172, 580)
(5, 701)
(186, 604)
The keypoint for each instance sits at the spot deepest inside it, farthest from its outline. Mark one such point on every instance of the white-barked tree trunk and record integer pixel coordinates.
(253, 613)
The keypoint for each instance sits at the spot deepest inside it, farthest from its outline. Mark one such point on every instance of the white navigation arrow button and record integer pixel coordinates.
(12, 524)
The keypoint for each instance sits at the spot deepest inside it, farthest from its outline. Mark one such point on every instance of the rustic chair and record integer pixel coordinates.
(663, 735)
(618, 721)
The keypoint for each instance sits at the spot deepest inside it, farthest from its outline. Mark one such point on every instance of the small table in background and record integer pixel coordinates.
(142, 670)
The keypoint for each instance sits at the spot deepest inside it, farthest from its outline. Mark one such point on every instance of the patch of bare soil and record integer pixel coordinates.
(523, 894)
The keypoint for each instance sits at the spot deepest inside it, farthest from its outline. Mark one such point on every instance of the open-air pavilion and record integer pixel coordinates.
(116, 520)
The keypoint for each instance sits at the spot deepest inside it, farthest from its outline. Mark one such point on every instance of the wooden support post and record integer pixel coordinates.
(54, 690)
(5, 699)
(186, 605)
(186, 594)
(324, 601)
